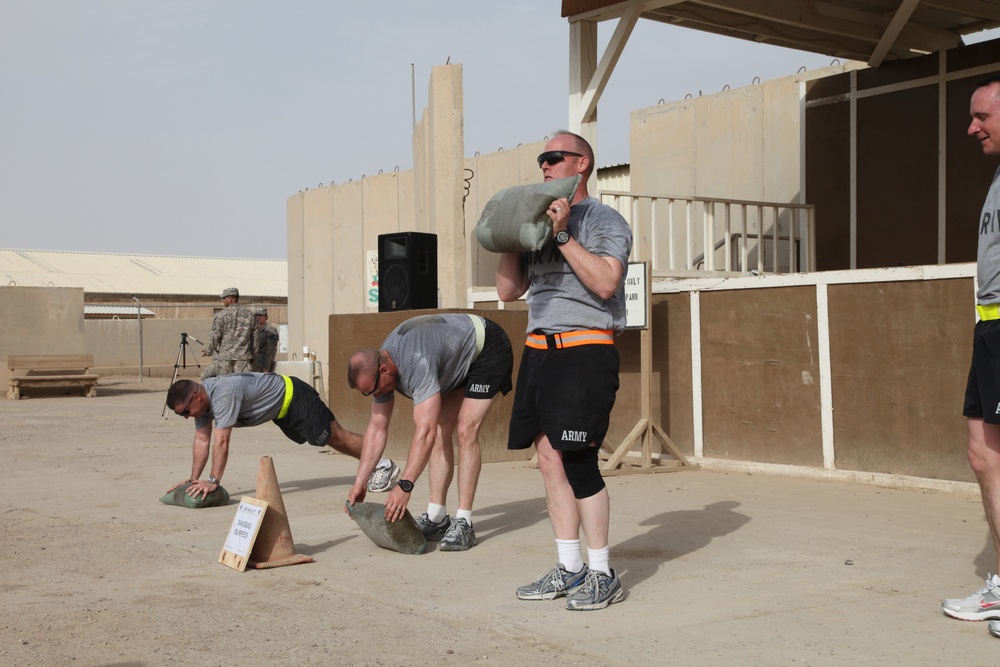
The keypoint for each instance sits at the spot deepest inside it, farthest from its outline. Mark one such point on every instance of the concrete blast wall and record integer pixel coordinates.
(738, 144)
(40, 320)
(333, 231)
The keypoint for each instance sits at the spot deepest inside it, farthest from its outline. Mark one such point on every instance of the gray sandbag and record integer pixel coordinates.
(403, 535)
(515, 219)
(180, 498)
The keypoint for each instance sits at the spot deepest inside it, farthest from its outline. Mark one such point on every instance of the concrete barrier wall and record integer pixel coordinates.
(115, 346)
(742, 143)
(332, 230)
(40, 320)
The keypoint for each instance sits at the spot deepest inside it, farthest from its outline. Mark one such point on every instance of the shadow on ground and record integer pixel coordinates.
(509, 517)
(986, 562)
(672, 535)
(299, 485)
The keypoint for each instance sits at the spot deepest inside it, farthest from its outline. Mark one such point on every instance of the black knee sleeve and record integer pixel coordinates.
(583, 472)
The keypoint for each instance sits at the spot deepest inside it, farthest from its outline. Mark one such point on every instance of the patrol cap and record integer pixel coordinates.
(230, 291)
(261, 311)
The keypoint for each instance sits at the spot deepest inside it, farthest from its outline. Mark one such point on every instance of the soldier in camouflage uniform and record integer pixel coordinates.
(265, 343)
(231, 341)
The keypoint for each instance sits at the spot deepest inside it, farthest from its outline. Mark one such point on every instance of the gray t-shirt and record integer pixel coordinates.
(433, 354)
(557, 300)
(988, 256)
(242, 399)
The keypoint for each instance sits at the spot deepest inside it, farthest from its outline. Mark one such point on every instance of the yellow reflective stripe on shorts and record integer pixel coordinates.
(288, 397)
(990, 311)
(477, 323)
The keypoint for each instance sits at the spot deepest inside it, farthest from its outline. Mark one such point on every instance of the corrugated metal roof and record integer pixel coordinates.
(109, 311)
(109, 273)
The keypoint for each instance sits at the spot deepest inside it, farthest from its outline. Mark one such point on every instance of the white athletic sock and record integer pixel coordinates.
(436, 513)
(464, 514)
(569, 555)
(383, 463)
(598, 559)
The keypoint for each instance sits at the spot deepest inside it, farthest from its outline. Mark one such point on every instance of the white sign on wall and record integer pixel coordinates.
(283, 338)
(636, 296)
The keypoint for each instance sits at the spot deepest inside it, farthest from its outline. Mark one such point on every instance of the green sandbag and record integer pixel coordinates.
(180, 498)
(515, 219)
(403, 535)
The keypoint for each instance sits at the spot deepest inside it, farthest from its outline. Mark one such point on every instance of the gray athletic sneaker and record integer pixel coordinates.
(598, 591)
(994, 628)
(461, 536)
(383, 479)
(553, 583)
(980, 606)
(432, 531)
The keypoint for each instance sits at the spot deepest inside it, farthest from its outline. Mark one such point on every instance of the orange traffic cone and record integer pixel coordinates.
(274, 546)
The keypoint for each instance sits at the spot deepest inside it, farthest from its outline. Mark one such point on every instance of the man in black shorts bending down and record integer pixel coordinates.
(250, 399)
(451, 366)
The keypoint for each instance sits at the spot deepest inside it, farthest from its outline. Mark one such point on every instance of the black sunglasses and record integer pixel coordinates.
(378, 376)
(555, 157)
(187, 408)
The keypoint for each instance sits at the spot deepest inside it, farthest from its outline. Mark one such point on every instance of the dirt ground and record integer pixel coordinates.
(746, 569)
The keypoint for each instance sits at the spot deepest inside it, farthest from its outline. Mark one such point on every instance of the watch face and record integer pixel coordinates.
(562, 237)
(406, 485)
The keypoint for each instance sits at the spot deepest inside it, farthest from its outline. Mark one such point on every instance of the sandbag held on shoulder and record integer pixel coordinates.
(515, 219)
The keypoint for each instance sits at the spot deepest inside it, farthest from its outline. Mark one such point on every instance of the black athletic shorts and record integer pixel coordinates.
(982, 393)
(492, 371)
(308, 418)
(566, 393)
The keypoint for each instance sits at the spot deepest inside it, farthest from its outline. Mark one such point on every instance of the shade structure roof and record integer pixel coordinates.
(872, 31)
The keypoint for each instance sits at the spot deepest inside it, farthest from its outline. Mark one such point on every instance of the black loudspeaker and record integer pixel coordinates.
(407, 271)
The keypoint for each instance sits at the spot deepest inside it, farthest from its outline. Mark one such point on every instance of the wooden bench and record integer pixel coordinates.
(47, 370)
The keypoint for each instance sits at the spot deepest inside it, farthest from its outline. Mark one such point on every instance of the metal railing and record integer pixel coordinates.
(694, 235)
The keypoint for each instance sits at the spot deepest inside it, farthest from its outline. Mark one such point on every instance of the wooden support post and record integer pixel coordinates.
(618, 461)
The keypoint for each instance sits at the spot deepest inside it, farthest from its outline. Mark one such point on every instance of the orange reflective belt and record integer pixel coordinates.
(570, 339)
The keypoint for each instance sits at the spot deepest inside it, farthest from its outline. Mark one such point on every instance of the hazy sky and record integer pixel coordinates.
(181, 127)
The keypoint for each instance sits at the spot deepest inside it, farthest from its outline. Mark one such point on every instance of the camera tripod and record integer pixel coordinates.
(181, 362)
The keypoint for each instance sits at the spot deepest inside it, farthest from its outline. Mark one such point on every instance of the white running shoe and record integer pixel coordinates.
(980, 606)
(383, 479)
